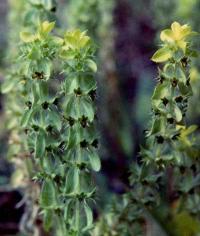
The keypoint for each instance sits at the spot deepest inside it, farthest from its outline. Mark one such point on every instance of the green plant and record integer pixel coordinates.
(62, 137)
(22, 14)
(169, 148)
(164, 184)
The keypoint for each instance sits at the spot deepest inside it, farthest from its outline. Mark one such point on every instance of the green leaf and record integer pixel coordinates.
(69, 181)
(178, 55)
(40, 144)
(180, 75)
(189, 130)
(35, 93)
(72, 107)
(30, 17)
(48, 219)
(67, 206)
(76, 179)
(178, 114)
(67, 54)
(47, 165)
(160, 91)
(185, 89)
(87, 83)
(162, 55)
(27, 37)
(45, 67)
(26, 118)
(94, 159)
(34, 54)
(86, 108)
(75, 135)
(53, 119)
(70, 84)
(8, 85)
(92, 65)
(169, 71)
(46, 27)
(156, 127)
(43, 92)
(72, 180)
(60, 227)
(89, 216)
(48, 197)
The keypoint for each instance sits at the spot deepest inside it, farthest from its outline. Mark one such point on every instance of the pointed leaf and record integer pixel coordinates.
(40, 144)
(178, 114)
(48, 219)
(162, 55)
(48, 197)
(94, 160)
(26, 118)
(89, 216)
(92, 65)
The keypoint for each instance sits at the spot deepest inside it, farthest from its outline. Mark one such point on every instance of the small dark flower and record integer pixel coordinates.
(174, 82)
(92, 94)
(45, 105)
(29, 104)
(84, 144)
(179, 99)
(182, 169)
(78, 92)
(165, 101)
(95, 143)
(159, 139)
(184, 61)
(170, 120)
(71, 121)
(83, 120)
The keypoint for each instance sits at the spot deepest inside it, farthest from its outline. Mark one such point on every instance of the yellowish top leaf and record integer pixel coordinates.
(75, 40)
(46, 27)
(177, 35)
(185, 132)
(27, 37)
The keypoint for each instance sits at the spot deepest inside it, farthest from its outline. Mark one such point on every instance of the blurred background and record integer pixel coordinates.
(126, 33)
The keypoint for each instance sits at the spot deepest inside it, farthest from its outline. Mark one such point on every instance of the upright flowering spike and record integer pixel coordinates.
(169, 143)
(22, 14)
(41, 118)
(62, 137)
(174, 39)
(80, 153)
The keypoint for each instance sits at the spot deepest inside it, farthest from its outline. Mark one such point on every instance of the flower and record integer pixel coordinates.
(177, 35)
